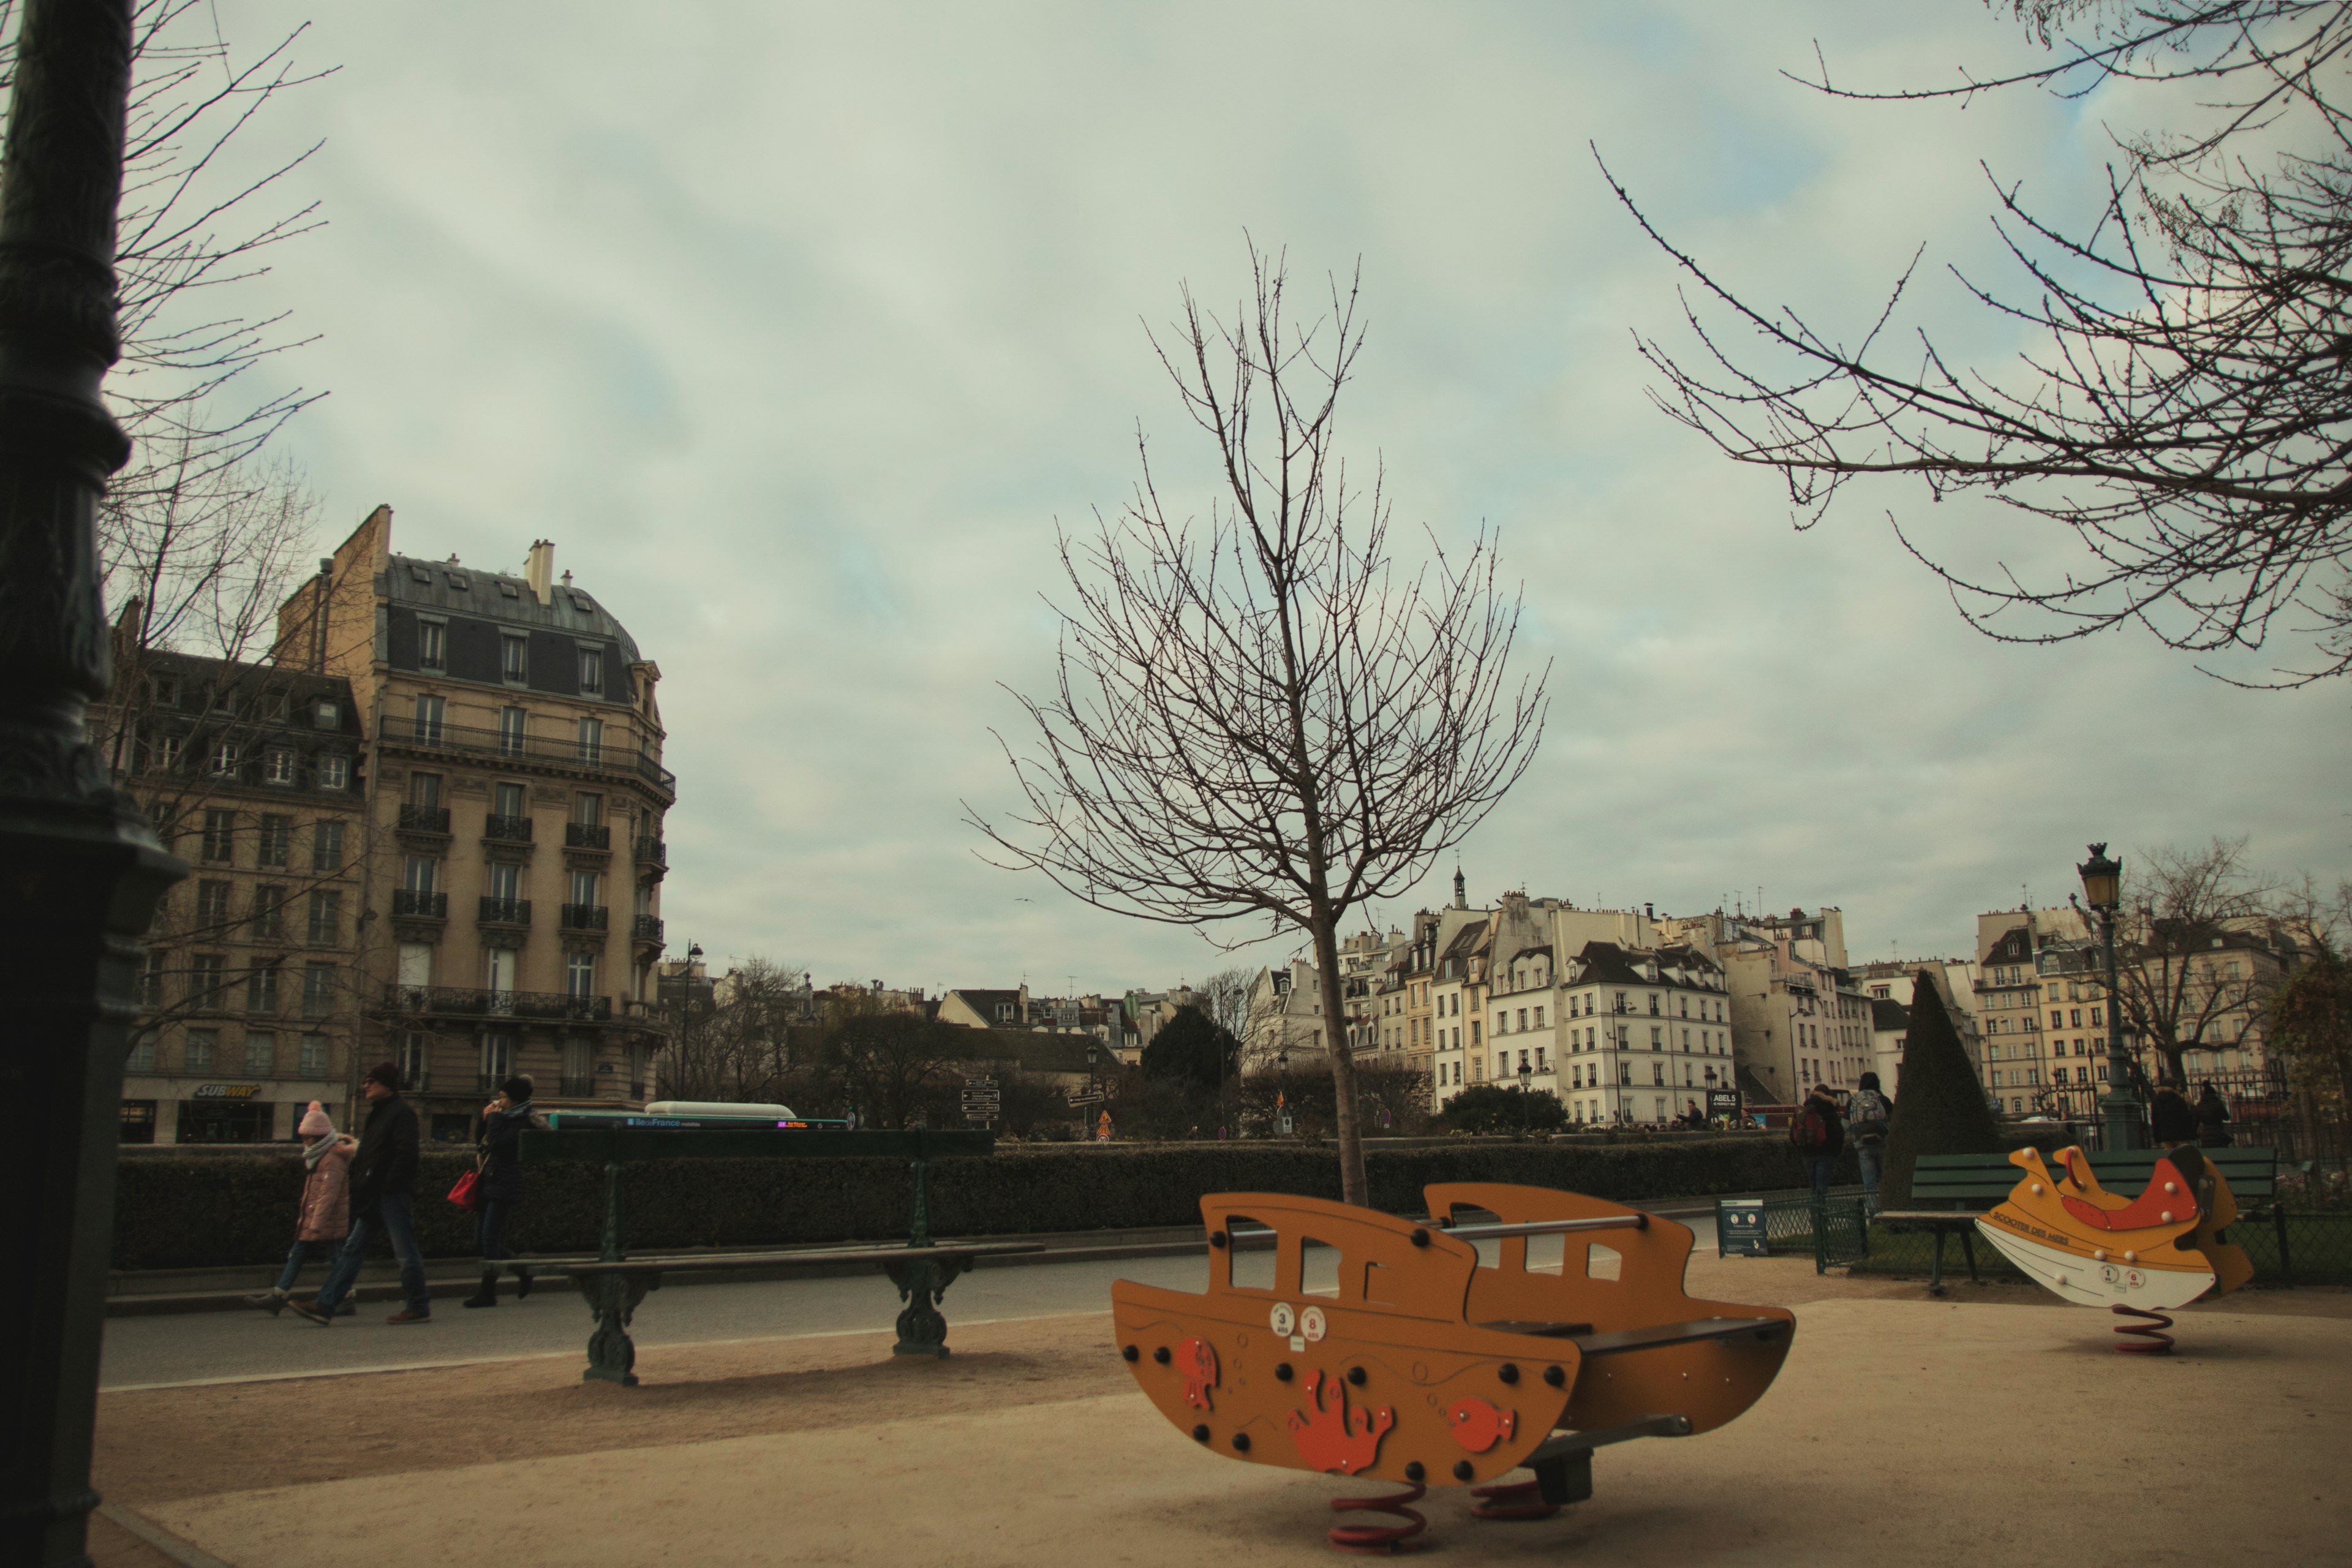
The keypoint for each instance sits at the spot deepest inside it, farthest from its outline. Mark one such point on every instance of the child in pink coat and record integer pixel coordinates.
(326, 1216)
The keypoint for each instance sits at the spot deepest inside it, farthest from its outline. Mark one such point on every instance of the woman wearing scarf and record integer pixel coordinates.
(503, 1121)
(326, 1216)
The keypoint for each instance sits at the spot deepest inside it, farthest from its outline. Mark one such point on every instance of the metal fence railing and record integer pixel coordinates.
(1833, 1229)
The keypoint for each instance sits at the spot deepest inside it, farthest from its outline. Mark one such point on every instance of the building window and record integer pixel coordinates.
(278, 766)
(205, 982)
(514, 659)
(275, 839)
(326, 918)
(512, 725)
(142, 1059)
(1474, 1031)
(327, 846)
(592, 739)
(498, 1057)
(334, 771)
(579, 974)
(1539, 1019)
(432, 646)
(411, 1058)
(591, 671)
(318, 989)
(429, 710)
(328, 714)
(418, 873)
(583, 889)
(196, 1051)
(314, 1056)
(260, 1053)
(261, 990)
(224, 759)
(212, 906)
(1657, 1038)
(165, 754)
(220, 833)
(149, 986)
(269, 913)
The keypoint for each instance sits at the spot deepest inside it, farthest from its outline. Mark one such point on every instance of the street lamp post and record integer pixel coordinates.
(2123, 1127)
(83, 870)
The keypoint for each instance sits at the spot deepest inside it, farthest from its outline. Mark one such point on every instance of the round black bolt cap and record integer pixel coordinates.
(1463, 1470)
(1420, 1237)
(1216, 1238)
(1355, 1375)
(1413, 1472)
(1130, 1353)
(1200, 1434)
(1554, 1376)
(1241, 1442)
(1161, 1355)
(1508, 1374)
(1282, 1372)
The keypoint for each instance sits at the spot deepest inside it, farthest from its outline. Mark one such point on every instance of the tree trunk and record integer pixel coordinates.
(1353, 1189)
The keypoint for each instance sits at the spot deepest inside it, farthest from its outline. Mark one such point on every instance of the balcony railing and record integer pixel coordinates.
(469, 1003)
(466, 739)
(647, 929)
(585, 917)
(423, 818)
(504, 912)
(420, 906)
(653, 851)
(579, 1087)
(587, 835)
(513, 829)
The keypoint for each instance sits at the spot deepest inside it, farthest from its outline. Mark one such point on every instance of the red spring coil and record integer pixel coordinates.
(2144, 1337)
(1381, 1537)
(1515, 1500)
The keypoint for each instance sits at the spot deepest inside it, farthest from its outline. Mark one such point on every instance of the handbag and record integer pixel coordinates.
(467, 1193)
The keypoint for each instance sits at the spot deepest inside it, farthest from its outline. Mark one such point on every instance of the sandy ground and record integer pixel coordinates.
(1992, 1427)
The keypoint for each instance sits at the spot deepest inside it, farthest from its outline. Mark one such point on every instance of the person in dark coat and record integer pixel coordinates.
(1819, 1136)
(2172, 1118)
(2212, 1120)
(383, 1198)
(503, 1121)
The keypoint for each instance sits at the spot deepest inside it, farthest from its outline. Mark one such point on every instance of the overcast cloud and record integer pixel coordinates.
(798, 329)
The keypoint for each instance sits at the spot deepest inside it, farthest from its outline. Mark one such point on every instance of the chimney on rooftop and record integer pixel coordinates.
(539, 569)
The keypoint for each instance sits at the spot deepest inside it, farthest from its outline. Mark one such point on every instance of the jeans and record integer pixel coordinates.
(395, 1214)
(1872, 1157)
(301, 1255)
(490, 1230)
(1822, 1166)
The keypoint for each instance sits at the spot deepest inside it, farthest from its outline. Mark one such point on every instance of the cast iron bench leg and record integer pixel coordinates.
(1969, 1245)
(613, 1299)
(921, 1281)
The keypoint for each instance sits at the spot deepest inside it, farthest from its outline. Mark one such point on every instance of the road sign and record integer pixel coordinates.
(1740, 1227)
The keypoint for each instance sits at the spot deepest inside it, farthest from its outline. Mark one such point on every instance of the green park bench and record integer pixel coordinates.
(1950, 1191)
(615, 1284)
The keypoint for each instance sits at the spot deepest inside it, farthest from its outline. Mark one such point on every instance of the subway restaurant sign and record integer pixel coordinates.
(226, 1091)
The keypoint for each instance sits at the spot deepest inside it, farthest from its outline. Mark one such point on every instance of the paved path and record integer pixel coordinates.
(221, 1346)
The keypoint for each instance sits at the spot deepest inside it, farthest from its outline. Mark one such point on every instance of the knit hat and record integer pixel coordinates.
(387, 1074)
(314, 1122)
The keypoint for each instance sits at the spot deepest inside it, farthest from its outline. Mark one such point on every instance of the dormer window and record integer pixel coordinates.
(591, 671)
(328, 714)
(432, 646)
(419, 574)
(509, 590)
(458, 581)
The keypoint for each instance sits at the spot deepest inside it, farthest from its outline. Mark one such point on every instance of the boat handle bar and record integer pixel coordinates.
(1523, 1227)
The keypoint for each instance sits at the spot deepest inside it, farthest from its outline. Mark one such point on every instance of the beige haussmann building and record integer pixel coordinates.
(512, 893)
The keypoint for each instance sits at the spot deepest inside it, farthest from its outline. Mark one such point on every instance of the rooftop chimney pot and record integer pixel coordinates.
(539, 569)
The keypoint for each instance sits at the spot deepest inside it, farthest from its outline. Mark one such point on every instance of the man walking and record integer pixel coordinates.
(384, 1198)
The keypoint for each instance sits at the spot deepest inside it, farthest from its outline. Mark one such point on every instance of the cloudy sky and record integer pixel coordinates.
(799, 330)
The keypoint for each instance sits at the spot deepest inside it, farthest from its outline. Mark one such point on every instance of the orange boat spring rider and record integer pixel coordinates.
(1421, 1364)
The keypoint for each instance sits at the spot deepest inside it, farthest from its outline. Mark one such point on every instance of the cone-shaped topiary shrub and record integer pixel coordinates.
(1939, 1107)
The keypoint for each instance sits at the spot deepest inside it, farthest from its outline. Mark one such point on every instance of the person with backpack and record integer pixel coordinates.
(1869, 1115)
(1817, 1136)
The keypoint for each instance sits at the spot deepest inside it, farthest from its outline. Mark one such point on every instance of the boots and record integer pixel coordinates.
(488, 1296)
(523, 1281)
(272, 1301)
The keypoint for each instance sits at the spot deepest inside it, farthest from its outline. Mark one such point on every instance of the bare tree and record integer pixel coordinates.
(2183, 415)
(754, 1042)
(2200, 950)
(1262, 716)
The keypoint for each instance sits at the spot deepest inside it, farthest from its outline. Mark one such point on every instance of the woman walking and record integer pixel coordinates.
(326, 1216)
(2213, 1120)
(503, 1121)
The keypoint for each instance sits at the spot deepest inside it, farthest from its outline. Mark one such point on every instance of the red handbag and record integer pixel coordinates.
(467, 1193)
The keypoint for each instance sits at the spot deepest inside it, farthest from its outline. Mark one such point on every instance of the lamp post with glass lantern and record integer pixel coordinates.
(2119, 1110)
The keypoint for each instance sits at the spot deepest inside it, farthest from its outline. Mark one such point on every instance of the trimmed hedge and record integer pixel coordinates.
(210, 1210)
